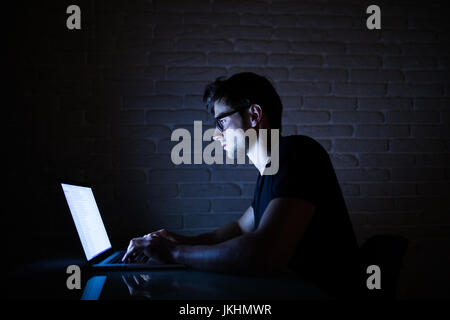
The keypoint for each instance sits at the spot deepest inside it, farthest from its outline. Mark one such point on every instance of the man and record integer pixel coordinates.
(298, 218)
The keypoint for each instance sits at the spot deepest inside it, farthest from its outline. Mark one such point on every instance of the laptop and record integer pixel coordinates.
(92, 232)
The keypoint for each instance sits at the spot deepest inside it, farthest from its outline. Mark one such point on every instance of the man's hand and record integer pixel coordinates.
(152, 245)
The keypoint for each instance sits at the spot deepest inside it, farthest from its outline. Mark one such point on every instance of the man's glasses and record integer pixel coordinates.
(219, 124)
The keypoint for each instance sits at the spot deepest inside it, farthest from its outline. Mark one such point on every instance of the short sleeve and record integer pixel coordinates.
(301, 174)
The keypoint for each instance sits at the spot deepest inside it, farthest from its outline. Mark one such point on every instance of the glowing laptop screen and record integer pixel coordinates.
(87, 219)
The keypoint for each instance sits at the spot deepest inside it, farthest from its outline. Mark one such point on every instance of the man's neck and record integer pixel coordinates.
(259, 154)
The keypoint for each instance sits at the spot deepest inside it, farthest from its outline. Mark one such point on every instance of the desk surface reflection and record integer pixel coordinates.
(197, 285)
(48, 279)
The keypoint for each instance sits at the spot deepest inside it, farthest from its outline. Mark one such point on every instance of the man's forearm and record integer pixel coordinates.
(222, 234)
(242, 254)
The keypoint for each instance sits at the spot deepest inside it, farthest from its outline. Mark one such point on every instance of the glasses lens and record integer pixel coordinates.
(218, 119)
(219, 125)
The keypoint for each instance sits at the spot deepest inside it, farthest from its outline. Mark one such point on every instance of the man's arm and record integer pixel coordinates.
(265, 250)
(142, 246)
(224, 233)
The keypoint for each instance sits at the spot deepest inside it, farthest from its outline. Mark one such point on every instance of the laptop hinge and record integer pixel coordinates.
(102, 256)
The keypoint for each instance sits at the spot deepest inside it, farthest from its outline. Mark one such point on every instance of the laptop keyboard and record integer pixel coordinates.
(118, 260)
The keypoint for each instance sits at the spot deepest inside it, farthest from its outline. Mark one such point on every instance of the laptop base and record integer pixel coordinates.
(152, 264)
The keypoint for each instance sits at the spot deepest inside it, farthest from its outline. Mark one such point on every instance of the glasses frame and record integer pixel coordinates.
(219, 126)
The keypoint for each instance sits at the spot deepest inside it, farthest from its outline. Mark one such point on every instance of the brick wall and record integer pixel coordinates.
(99, 105)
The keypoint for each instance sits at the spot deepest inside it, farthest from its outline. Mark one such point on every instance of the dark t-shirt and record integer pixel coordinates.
(327, 252)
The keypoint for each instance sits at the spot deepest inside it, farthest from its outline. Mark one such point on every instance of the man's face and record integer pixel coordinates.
(229, 133)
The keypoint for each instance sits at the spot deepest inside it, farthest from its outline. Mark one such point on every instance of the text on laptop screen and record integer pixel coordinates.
(87, 219)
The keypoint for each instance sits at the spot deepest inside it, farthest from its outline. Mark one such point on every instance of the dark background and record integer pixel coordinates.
(98, 105)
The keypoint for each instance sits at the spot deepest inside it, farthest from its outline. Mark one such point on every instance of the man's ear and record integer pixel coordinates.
(256, 114)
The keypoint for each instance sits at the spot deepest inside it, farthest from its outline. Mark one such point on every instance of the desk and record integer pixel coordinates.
(47, 280)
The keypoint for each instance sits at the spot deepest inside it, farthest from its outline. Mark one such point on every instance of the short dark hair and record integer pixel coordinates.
(246, 88)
